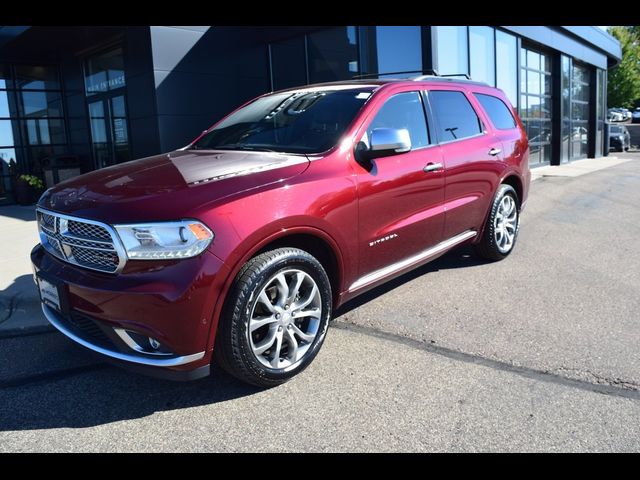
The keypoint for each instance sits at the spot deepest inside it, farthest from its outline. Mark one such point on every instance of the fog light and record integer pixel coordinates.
(155, 344)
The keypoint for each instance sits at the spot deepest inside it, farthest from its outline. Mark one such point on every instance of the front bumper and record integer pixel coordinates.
(172, 302)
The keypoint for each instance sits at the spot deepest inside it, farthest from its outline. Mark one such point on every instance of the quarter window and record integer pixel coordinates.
(498, 112)
(455, 116)
(402, 111)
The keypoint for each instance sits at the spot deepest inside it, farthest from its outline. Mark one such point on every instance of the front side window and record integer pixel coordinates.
(455, 116)
(308, 121)
(497, 111)
(402, 111)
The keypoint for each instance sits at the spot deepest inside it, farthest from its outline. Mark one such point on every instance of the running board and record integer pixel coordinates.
(407, 262)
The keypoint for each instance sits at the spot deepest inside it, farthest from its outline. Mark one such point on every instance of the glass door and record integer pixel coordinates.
(105, 89)
(109, 133)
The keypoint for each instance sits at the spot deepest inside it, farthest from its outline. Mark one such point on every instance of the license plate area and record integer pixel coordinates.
(52, 293)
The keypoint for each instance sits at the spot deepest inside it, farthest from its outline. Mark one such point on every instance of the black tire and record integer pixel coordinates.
(233, 350)
(487, 247)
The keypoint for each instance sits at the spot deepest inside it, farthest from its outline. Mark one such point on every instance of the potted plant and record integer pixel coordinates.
(28, 189)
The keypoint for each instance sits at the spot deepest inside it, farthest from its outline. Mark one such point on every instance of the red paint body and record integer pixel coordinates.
(330, 196)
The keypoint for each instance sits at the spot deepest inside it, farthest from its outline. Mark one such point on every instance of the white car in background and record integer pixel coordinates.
(614, 115)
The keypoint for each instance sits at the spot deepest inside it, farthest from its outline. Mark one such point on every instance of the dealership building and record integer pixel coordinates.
(75, 99)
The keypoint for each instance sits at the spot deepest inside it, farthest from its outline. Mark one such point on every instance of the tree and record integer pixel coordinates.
(624, 80)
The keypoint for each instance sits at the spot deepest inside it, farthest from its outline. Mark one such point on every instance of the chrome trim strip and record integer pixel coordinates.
(117, 243)
(153, 362)
(425, 254)
(133, 345)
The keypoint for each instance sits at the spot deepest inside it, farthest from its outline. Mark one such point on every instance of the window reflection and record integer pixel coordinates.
(333, 55)
(507, 66)
(391, 49)
(105, 72)
(482, 54)
(451, 50)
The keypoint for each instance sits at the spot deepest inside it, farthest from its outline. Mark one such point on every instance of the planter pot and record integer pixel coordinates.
(25, 194)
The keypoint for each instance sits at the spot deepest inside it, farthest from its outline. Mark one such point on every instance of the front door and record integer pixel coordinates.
(400, 204)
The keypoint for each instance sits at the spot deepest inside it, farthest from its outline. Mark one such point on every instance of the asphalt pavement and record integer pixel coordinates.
(535, 353)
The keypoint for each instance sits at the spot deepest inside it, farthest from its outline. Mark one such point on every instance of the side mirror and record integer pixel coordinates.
(389, 141)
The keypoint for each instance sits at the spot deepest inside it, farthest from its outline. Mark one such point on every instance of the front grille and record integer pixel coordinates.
(84, 243)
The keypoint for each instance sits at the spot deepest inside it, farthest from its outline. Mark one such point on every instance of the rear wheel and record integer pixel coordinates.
(501, 229)
(275, 318)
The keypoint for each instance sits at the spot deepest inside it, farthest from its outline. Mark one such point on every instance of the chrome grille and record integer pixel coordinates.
(88, 230)
(81, 242)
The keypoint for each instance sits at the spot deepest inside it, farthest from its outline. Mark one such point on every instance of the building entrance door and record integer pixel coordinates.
(109, 134)
(105, 88)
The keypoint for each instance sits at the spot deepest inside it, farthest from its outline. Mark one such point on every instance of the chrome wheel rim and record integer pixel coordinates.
(285, 319)
(505, 224)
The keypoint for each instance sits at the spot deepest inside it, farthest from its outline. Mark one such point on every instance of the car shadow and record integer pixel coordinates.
(19, 212)
(99, 394)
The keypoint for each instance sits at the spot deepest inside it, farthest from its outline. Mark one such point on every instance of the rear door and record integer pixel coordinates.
(472, 159)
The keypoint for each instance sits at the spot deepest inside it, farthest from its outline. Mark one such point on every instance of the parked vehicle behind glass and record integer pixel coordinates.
(619, 138)
(635, 115)
(238, 247)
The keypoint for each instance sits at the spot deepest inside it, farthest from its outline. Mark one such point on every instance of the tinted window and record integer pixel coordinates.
(498, 112)
(402, 111)
(454, 114)
(307, 121)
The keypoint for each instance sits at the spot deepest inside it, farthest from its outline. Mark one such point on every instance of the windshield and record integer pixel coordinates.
(617, 129)
(293, 122)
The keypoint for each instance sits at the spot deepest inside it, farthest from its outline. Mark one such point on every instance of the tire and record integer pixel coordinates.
(491, 244)
(259, 308)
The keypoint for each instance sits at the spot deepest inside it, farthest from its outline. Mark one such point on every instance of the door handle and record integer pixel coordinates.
(432, 167)
(494, 151)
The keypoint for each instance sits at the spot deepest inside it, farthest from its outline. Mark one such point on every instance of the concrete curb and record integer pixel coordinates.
(577, 168)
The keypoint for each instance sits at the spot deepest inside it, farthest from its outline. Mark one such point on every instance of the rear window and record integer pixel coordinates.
(455, 116)
(498, 112)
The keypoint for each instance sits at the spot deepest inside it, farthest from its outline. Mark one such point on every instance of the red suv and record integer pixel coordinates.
(237, 247)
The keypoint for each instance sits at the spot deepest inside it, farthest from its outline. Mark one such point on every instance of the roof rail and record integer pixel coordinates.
(428, 71)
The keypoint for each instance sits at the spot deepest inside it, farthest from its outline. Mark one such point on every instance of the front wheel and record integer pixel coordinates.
(275, 318)
(501, 229)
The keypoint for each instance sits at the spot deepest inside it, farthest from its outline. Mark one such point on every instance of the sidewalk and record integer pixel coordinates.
(19, 300)
(577, 167)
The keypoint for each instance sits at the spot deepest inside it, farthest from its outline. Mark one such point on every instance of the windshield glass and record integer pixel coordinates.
(293, 122)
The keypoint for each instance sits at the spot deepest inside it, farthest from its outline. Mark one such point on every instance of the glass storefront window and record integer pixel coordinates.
(6, 133)
(507, 67)
(482, 54)
(104, 72)
(4, 104)
(579, 111)
(451, 50)
(288, 63)
(36, 77)
(391, 49)
(333, 54)
(600, 114)
(535, 103)
(40, 104)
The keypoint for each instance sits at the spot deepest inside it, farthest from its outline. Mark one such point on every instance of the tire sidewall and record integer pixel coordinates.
(490, 228)
(312, 267)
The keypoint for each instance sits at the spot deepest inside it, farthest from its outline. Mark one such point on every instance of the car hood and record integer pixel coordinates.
(169, 186)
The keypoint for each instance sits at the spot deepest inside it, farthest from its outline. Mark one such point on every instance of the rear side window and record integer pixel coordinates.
(455, 116)
(497, 111)
(403, 110)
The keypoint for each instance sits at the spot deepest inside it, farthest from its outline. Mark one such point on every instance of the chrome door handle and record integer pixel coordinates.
(494, 151)
(432, 167)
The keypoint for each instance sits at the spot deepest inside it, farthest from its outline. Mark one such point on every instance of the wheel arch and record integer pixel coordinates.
(313, 240)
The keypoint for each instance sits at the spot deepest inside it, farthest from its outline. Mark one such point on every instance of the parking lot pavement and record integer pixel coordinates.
(364, 392)
(535, 353)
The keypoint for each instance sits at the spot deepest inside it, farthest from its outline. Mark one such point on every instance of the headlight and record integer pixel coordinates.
(164, 240)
